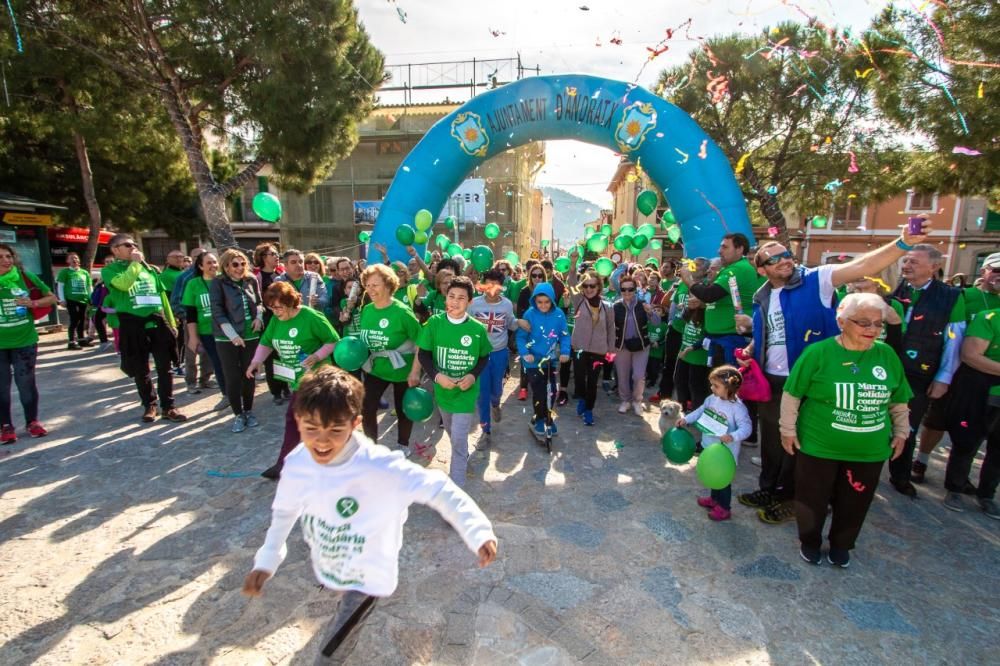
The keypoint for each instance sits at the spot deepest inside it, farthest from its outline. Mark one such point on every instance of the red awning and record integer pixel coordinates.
(76, 235)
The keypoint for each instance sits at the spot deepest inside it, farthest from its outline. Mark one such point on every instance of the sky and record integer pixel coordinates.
(562, 36)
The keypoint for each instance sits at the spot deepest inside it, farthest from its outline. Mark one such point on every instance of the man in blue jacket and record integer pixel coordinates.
(778, 340)
(543, 343)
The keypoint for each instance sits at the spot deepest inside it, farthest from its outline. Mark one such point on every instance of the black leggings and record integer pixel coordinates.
(77, 320)
(374, 388)
(235, 361)
(543, 380)
(587, 375)
(848, 487)
(691, 382)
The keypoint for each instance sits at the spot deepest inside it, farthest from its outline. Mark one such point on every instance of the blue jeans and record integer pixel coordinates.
(208, 344)
(22, 361)
(491, 385)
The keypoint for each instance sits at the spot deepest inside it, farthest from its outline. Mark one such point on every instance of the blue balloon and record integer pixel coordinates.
(630, 120)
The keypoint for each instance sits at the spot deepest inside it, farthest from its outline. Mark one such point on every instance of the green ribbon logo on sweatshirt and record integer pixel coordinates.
(347, 507)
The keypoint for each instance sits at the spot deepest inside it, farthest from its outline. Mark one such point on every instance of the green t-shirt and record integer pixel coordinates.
(657, 334)
(719, 315)
(986, 326)
(513, 289)
(196, 296)
(456, 348)
(295, 339)
(168, 277)
(387, 329)
(143, 297)
(353, 325)
(846, 395)
(692, 337)
(17, 327)
(76, 284)
(435, 302)
(976, 300)
(679, 300)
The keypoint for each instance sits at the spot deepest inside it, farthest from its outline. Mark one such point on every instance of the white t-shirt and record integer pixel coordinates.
(352, 515)
(776, 357)
(717, 417)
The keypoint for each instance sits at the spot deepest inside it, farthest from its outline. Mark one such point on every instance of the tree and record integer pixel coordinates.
(939, 76)
(74, 135)
(279, 82)
(794, 115)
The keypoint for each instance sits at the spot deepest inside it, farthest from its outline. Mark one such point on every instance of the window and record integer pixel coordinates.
(920, 202)
(388, 148)
(847, 215)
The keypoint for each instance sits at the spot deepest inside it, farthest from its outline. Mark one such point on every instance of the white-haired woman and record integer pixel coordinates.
(843, 414)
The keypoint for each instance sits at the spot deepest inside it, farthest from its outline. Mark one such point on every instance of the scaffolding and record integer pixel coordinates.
(473, 75)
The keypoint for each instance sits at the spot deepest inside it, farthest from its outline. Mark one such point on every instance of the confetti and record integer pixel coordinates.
(862, 75)
(833, 185)
(740, 164)
(853, 167)
(857, 485)
(925, 366)
(571, 91)
(772, 231)
(964, 424)
(816, 333)
(772, 190)
(685, 155)
(912, 353)
(619, 445)
(918, 318)
(979, 93)
(962, 150)
(703, 150)
(401, 14)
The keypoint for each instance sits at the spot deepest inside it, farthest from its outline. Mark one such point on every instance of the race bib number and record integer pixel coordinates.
(283, 372)
(712, 423)
(141, 300)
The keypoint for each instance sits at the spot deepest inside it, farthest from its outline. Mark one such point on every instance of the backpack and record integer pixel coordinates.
(35, 293)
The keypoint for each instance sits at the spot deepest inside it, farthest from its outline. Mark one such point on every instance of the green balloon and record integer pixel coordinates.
(545, 243)
(562, 264)
(405, 234)
(449, 222)
(420, 237)
(606, 230)
(482, 258)
(427, 257)
(655, 244)
(716, 467)
(604, 267)
(648, 230)
(512, 258)
(350, 353)
(492, 230)
(454, 250)
(418, 404)
(639, 241)
(267, 206)
(678, 445)
(442, 241)
(668, 218)
(646, 202)
(623, 242)
(588, 231)
(674, 233)
(363, 236)
(627, 230)
(467, 253)
(819, 221)
(597, 243)
(423, 220)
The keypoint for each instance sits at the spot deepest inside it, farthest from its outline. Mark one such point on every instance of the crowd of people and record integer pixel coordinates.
(858, 374)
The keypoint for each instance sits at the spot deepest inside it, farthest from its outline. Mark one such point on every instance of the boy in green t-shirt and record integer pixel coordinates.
(454, 349)
(73, 286)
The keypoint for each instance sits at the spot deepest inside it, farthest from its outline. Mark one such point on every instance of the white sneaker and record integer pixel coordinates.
(637, 408)
(623, 408)
(755, 460)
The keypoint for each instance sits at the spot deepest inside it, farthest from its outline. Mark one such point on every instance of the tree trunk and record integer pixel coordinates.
(90, 197)
(768, 202)
(215, 210)
(87, 182)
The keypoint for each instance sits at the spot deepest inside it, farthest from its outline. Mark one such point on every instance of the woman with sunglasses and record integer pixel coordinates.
(593, 338)
(198, 320)
(631, 345)
(266, 269)
(237, 320)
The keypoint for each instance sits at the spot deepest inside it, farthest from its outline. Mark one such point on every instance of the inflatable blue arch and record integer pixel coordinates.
(675, 152)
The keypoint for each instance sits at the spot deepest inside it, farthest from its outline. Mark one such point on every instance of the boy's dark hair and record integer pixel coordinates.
(548, 266)
(740, 242)
(449, 263)
(462, 282)
(329, 394)
(493, 275)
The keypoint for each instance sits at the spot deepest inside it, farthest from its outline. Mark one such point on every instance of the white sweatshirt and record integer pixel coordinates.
(353, 513)
(737, 422)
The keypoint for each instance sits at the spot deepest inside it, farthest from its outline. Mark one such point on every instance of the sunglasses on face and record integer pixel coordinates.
(312, 261)
(865, 323)
(628, 290)
(238, 264)
(589, 286)
(773, 259)
(537, 276)
(127, 244)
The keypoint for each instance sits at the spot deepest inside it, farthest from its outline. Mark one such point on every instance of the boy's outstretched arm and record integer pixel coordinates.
(272, 553)
(487, 553)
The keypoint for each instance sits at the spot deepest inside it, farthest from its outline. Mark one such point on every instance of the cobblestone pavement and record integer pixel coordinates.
(125, 543)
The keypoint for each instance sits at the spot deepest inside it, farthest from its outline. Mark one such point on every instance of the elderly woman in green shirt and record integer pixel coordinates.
(843, 414)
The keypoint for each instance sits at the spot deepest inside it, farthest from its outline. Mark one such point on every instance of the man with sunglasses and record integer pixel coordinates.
(146, 326)
(778, 341)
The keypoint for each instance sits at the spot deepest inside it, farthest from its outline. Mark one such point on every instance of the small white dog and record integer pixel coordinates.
(670, 413)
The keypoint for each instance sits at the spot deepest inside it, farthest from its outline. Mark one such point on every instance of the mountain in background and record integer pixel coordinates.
(569, 214)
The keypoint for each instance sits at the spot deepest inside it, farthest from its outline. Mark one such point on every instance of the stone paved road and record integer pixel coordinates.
(124, 543)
